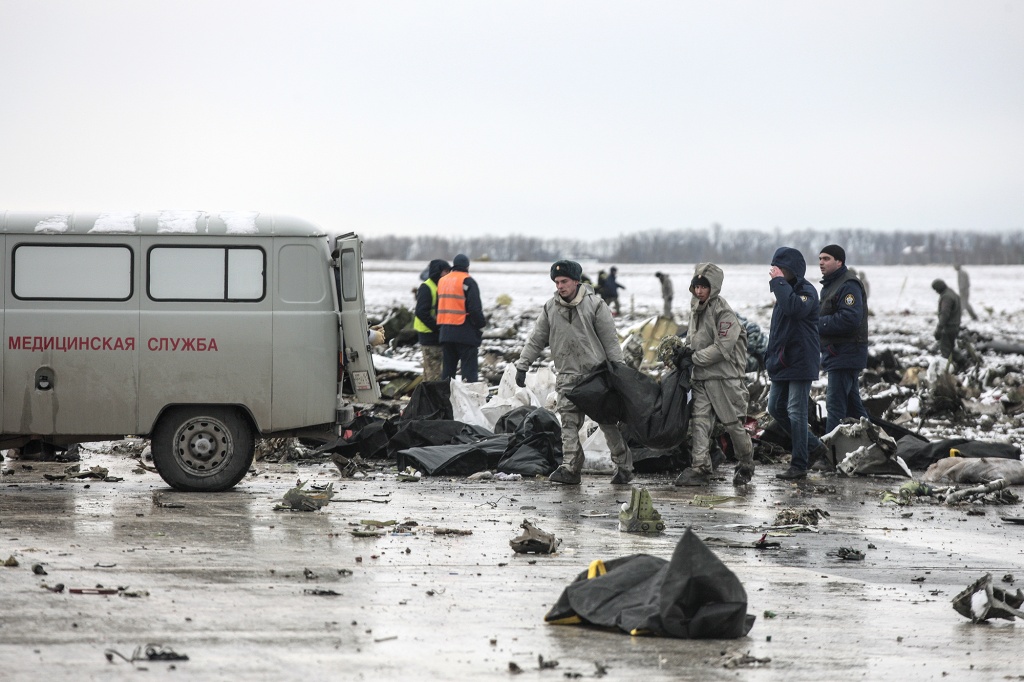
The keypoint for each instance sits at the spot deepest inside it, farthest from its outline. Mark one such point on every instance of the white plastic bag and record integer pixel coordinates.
(467, 401)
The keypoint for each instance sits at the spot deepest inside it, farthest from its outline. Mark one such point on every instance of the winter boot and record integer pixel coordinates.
(639, 514)
(622, 477)
(563, 475)
(792, 473)
(742, 475)
(691, 476)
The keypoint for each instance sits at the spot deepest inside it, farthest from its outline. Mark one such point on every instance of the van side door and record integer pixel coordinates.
(352, 317)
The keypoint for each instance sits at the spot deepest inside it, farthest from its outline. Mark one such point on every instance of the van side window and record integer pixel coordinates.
(206, 273)
(301, 274)
(72, 272)
(349, 276)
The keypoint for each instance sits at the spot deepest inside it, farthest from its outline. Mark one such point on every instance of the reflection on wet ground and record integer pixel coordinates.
(230, 582)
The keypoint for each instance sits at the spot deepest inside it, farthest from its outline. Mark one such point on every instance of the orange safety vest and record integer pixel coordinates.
(451, 298)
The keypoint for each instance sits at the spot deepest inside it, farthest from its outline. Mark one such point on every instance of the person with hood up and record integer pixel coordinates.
(843, 330)
(460, 317)
(581, 333)
(948, 325)
(716, 344)
(666, 293)
(425, 322)
(963, 281)
(793, 357)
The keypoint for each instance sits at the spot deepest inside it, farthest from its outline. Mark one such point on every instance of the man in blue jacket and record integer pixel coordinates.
(843, 328)
(460, 317)
(792, 357)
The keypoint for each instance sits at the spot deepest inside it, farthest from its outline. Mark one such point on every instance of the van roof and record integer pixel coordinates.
(225, 223)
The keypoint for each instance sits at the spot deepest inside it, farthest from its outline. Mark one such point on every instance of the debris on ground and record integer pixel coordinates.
(907, 493)
(149, 652)
(714, 500)
(533, 540)
(408, 475)
(351, 467)
(850, 554)
(160, 499)
(298, 499)
(991, 493)
(982, 600)
(745, 661)
(639, 515)
(975, 470)
(799, 517)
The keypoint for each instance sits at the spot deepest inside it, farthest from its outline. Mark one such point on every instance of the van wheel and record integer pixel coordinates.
(202, 449)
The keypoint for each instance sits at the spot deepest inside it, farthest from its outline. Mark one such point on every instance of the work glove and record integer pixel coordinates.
(684, 357)
(521, 378)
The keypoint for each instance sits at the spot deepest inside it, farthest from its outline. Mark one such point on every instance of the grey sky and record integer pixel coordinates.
(578, 118)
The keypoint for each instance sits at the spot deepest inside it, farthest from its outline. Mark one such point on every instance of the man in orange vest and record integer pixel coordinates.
(460, 317)
(425, 322)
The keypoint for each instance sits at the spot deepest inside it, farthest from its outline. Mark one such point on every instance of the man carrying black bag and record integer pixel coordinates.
(579, 328)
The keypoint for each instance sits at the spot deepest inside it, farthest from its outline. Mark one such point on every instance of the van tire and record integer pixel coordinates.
(202, 449)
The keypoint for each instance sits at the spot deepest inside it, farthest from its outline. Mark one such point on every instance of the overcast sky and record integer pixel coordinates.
(571, 119)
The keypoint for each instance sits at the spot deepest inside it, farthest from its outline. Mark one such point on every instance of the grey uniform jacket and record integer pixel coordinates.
(715, 334)
(581, 334)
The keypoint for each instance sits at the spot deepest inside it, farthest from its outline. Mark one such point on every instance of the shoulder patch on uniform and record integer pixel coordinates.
(849, 299)
(803, 297)
(724, 327)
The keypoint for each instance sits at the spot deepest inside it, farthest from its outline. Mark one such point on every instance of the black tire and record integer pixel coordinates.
(202, 449)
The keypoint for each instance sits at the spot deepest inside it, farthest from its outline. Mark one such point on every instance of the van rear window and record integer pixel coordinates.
(72, 272)
(206, 273)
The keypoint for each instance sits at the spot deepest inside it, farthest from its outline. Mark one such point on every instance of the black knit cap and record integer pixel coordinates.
(566, 268)
(836, 252)
(700, 281)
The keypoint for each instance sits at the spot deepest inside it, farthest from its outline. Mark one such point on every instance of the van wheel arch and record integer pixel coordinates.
(203, 448)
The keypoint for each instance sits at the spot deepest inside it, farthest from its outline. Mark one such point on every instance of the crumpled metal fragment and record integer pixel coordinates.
(983, 600)
(298, 499)
(533, 540)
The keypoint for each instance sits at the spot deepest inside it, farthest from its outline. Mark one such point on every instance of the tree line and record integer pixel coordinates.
(716, 245)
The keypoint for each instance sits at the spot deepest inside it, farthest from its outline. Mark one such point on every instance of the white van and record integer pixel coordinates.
(201, 331)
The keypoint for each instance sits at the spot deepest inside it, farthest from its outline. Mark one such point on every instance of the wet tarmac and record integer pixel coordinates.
(240, 588)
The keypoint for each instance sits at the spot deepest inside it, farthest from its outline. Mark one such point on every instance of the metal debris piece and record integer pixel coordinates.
(160, 500)
(11, 562)
(745, 661)
(317, 592)
(410, 475)
(149, 652)
(806, 517)
(966, 494)
(298, 499)
(983, 600)
(96, 472)
(546, 665)
(533, 540)
(452, 531)
(639, 515)
(850, 554)
(713, 500)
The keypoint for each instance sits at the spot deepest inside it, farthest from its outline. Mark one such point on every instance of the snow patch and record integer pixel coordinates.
(55, 223)
(115, 222)
(178, 222)
(240, 222)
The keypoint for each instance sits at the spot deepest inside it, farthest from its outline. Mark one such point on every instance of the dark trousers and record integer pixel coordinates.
(842, 397)
(459, 353)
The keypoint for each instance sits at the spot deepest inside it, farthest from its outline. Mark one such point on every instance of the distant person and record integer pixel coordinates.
(963, 283)
(425, 322)
(793, 356)
(610, 289)
(599, 286)
(843, 331)
(460, 317)
(666, 293)
(717, 345)
(948, 325)
(581, 334)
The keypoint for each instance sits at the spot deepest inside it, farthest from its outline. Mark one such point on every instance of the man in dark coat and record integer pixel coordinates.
(948, 325)
(425, 322)
(792, 357)
(843, 330)
(610, 289)
(460, 316)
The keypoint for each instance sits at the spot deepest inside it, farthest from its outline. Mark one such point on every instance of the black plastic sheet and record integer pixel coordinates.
(921, 455)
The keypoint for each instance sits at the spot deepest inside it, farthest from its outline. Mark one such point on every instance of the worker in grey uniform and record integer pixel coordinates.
(666, 293)
(716, 343)
(580, 331)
